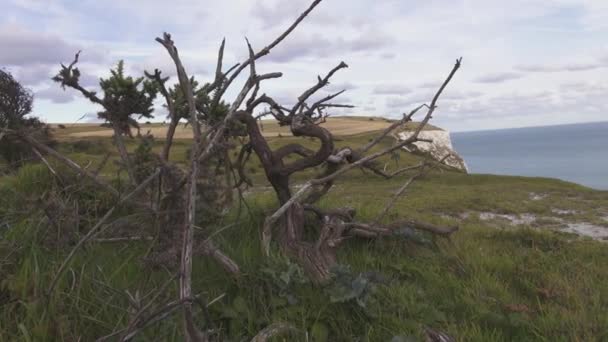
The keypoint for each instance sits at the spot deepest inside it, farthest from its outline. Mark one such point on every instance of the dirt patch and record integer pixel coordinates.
(513, 219)
(537, 197)
(558, 211)
(587, 229)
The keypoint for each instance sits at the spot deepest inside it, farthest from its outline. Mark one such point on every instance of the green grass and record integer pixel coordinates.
(490, 282)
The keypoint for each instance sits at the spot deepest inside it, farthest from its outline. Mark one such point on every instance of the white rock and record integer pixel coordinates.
(563, 211)
(513, 219)
(537, 197)
(440, 146)
(587, 229)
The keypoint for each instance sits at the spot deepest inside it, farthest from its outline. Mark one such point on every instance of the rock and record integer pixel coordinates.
(537, 197)
(522, 219)
(563, 211)
(587, 229)
(440, 146)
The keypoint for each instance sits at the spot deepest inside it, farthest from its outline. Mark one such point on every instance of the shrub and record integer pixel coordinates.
(15, 106)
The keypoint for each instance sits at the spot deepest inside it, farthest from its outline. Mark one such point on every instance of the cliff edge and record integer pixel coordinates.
(438, 145)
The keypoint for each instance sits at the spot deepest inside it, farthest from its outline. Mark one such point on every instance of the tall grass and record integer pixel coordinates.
(489, 282)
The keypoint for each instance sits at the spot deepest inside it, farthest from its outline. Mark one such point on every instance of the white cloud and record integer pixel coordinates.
(498, 77)
(391, 89)
(398, 52)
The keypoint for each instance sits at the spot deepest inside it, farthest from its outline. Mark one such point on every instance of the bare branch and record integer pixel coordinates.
(406, 118)
(267, 49)
(68, 76)
(370, 230)
(322, 82)
(48, 165)
(286, 150)
(184, 83)
(160, 81)
(272, 330)
(220, 58)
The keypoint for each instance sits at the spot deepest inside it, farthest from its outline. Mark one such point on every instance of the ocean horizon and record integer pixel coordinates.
(572, 152)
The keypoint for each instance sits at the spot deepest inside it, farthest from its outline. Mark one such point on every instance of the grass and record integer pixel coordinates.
(490, 282)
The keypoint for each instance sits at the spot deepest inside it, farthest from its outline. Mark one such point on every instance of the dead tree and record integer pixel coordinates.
(177, 207)
(319, 256)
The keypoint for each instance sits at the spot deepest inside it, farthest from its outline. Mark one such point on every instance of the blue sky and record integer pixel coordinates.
(526, 62)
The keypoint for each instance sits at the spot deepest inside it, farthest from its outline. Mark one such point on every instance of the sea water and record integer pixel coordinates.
(576, 152)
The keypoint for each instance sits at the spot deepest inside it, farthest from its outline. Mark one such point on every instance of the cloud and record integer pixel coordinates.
(554, 45)
(34, 74)
(428, 85)
(22, 47)
(335, 87)
(388, 55)
(391, 89)
(583, 88)
(284, 11)
(560, 68)
(318, 46)
(498, 77)
(522, 105)
(165, 64)
(394, 102)
(55, 94)
(457, 95)
(368, 40)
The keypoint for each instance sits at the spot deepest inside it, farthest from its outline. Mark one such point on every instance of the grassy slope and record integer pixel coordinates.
(489, 282)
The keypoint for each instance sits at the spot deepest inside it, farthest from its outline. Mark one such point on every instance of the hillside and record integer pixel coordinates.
(515, 271)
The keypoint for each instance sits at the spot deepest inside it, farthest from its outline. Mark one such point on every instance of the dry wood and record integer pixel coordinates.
(273, 330)
(185, 280)
(319, 257)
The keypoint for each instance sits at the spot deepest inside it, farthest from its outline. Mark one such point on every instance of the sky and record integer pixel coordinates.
(525, 62)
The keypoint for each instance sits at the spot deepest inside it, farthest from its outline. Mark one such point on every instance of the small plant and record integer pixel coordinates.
(348, 286)
(144, 159)
(284, 275)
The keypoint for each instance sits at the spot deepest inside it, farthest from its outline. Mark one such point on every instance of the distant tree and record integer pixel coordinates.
(16, 103)
(124, 97)
(209, 111)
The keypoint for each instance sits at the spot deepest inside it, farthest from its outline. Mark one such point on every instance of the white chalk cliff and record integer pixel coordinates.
(440, 146)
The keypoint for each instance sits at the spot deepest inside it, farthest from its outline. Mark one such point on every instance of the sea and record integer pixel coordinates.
(576, 152)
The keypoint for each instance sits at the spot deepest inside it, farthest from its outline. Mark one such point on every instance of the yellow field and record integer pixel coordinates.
(347, 125)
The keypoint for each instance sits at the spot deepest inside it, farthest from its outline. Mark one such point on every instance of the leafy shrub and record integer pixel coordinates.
(15, 106)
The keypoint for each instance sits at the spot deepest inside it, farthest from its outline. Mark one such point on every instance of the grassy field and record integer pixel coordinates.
(493, 280)
(344, 125)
